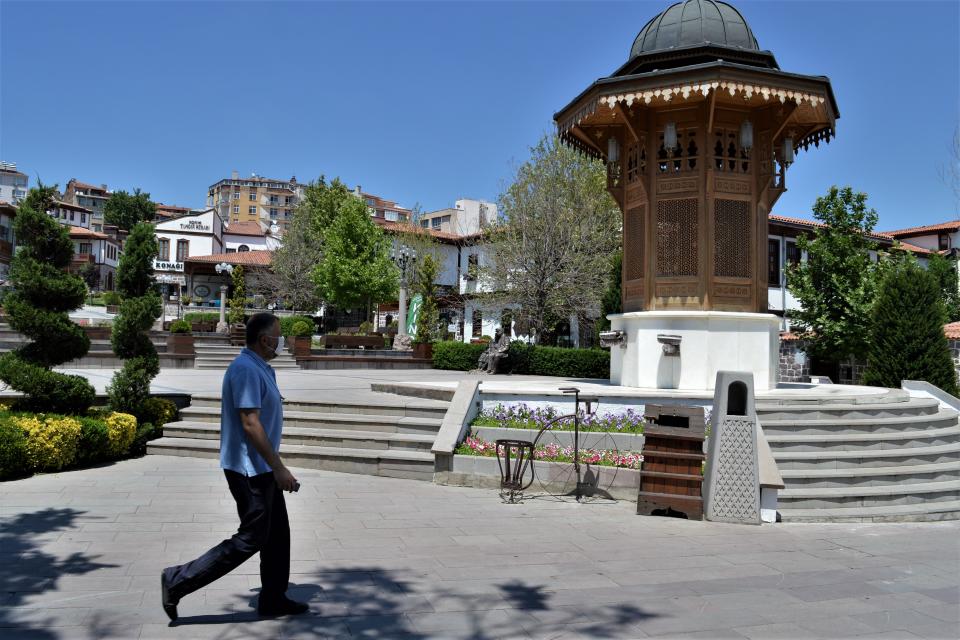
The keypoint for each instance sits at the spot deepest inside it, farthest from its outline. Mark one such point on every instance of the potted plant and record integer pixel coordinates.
(180, 340)
(301, 339)
(99, 331)
(112, 301)
(186, 299)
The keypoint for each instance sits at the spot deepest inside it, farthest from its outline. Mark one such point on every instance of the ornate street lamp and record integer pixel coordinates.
(406, 260)
(222, 326)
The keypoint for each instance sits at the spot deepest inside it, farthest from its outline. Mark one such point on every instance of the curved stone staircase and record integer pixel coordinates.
(886, 457)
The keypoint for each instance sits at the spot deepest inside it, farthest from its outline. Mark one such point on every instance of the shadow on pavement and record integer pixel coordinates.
(25, 569)
(371, 602)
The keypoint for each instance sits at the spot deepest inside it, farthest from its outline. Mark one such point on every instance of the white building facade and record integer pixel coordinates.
(198, 234)
(13, 183)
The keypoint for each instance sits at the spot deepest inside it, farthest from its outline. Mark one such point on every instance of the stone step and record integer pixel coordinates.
(922, 512)
(353, 439)
(864, 441)
(871, 476)
(907, 406)
(343, 421)
(939, 420)
(887, 457)
(868, 496)
(391, 463)
(377, 405)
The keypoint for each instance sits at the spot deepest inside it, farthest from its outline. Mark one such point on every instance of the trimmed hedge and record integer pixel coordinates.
(201, 316)
(456, 356)
(557, 361)
(13, 451)
(529, 359)
(287, 323)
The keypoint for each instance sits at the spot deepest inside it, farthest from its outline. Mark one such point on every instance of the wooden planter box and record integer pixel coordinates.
(113, 308)
(300, 346)
(332, 341)
(423, 350)
(98, 333)
(180, 344)
(238, 335)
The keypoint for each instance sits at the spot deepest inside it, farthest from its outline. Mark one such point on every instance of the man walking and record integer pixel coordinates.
(251, 419)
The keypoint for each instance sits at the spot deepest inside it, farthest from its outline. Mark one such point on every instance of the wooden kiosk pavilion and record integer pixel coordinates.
(697, 130)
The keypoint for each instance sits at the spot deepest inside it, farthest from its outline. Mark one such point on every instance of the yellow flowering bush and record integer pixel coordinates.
(122, 429)
(51, 440)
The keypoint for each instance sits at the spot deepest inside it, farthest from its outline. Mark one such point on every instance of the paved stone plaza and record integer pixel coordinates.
(80, 555)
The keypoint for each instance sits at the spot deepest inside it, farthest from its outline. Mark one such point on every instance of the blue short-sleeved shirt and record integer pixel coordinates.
(250, 383)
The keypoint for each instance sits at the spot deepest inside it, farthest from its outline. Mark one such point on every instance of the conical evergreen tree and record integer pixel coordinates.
(140, 307)
(906, 331)
(44, 293)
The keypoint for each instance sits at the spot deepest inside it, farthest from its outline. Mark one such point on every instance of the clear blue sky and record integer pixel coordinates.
(427, 102)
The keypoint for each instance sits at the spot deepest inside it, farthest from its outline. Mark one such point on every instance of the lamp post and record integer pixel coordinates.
(222, 326)
(406, 260)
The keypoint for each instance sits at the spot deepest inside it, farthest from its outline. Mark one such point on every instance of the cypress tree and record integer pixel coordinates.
(238, 300)
(140, 307)
(38, 307)
(906, 331)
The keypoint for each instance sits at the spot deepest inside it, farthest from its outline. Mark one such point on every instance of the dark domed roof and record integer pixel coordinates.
(695, 22)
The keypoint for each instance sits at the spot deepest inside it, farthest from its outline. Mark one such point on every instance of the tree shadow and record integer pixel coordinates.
(25, 569)
(373, 602)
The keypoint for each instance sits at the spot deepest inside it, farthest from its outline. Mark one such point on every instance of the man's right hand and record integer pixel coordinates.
(284, 479)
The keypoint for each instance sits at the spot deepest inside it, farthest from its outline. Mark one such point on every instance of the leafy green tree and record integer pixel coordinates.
(141, 305)
(428, 321)
(356, 268)
(836, 285)
(551, 254)
(238, 300)
(90, 273)
(125, 210)
(612, 301)
(944, 271)
(38, 307)
(323, 202)
(906, 331)
(293, 263)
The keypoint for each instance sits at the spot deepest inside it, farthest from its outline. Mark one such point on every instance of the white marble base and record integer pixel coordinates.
(711, 341)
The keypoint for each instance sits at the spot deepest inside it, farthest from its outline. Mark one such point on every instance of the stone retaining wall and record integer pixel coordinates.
(794, 362)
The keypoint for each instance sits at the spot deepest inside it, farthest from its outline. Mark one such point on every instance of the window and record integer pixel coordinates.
(231, 250)
(274, 200)
(392, 216)
(477, 323)
(251, 210)
(773, 262)
(236, 195)
(252, 196)
(943, 242)
(183, 250)
(236, 208)
(273, 214)
(242, 248)
(86, 248)
(83, 218)
(369, 202)
(793, 253)
(424, 223)
(4, 233)
(164, 249)
(435, 223)
(72, 213)
(445, 220)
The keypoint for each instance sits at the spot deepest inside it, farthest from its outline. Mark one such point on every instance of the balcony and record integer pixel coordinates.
(80, 259)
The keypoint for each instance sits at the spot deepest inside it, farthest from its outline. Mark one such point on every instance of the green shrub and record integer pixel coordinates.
(112, 298)
(456, 356)
(180, 326)
(556, 361)
(146, 432)
(365, 327)
(13, 450)
(43, 294)
(906, 332)
(94, 443)
(158, 411)
(301, 329)
(201, 316)
(287, 322)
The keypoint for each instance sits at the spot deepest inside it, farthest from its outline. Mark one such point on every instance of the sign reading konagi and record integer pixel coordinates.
(164, 265)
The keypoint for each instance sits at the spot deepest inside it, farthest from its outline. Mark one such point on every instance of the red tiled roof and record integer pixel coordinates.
(814, 224)
(789, 336)
(245, 258)
(952, 225)
(952, 330)
(912, 248)
(245, 229)
(70, 205)
(407, 227)
(80, 232)
(84, 185)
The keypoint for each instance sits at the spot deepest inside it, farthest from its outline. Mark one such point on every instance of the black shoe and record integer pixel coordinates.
(169, 603)
(282, 607)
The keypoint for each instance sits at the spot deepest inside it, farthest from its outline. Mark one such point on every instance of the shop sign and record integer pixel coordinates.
(165, 265)
(194, 225)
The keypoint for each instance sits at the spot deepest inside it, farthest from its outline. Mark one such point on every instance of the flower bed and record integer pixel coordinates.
(555, 453)
(521, 416)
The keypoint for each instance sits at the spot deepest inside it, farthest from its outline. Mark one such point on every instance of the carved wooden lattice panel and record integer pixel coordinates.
(731, 238)
(677, 237)
(633, 243)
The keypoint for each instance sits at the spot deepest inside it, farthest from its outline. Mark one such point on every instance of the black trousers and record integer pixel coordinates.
(263, 527)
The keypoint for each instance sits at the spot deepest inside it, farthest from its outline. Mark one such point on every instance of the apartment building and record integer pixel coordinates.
(466, 217)
(71, 214)
(255, 199)
(13, 183)
(381, 209)
(7, 239)
(89, 196)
